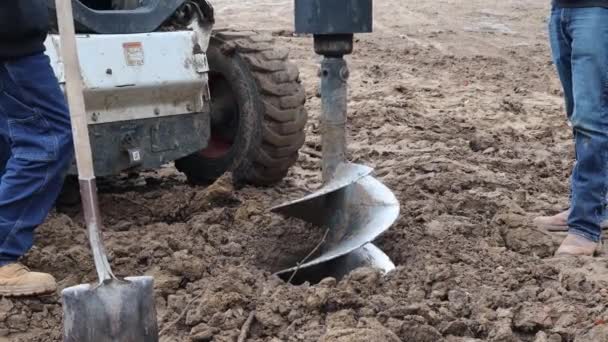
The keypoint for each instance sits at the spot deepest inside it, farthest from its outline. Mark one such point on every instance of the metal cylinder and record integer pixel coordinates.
(334, 76)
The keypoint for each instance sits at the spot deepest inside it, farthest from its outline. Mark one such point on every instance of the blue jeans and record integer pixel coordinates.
(579, 42)
(35, 150)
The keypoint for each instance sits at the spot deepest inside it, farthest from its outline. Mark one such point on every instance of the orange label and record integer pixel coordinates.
(134, 53)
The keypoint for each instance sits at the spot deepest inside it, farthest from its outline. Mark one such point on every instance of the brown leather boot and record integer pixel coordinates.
(555, 223)
(558, 222)
(17, 280)
(576, 245)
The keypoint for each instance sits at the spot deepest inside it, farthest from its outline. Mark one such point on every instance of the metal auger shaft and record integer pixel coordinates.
(334, 104)
(334, 76)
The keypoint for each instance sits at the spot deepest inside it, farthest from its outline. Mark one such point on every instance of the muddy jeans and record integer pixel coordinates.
(35, 150)
(579, 42)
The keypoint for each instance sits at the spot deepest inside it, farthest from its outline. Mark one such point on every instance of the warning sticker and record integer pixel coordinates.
(134, 53)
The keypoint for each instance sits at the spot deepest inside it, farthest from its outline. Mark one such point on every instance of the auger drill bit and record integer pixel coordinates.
(352, 204)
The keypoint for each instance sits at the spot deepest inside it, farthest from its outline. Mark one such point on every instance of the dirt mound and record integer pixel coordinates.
(457, 108)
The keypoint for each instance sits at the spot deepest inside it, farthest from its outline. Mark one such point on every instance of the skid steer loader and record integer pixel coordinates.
(162, 86)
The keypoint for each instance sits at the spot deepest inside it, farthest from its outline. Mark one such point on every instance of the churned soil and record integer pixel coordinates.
(457, 107)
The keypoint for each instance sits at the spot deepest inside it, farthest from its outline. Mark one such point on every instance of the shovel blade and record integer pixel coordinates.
(355, 206)
(116, 311)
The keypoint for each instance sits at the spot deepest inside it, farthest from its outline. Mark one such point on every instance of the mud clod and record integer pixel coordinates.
(457, 107)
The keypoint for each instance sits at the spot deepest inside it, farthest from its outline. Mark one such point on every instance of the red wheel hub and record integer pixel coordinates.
(216, 148)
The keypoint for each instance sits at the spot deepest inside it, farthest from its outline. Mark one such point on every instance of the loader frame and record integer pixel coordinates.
(146, 94)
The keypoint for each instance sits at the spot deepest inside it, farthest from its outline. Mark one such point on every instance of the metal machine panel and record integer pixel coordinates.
(156, 141)
(138, 76)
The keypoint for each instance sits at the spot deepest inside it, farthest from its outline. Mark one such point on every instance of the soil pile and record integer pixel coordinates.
(458, 109)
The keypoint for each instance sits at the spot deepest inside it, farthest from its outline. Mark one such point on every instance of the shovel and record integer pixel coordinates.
(352, 204)
(114, 310)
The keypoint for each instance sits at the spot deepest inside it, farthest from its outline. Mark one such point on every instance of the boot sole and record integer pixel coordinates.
(565, 254)
(25, 291)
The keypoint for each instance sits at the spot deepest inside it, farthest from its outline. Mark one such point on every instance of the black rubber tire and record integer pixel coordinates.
(271, 112)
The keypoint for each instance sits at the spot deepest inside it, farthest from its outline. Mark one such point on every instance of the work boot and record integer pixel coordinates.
(576, 245)
(558, 222)
(17, 280)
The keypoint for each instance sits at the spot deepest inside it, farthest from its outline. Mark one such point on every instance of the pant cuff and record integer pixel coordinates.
(583, 234)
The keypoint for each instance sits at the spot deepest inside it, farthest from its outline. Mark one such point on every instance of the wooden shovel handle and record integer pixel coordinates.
(80, 133)
(74, 87)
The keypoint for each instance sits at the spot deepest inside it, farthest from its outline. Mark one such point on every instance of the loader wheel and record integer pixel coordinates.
(70, 192)
(257, 112)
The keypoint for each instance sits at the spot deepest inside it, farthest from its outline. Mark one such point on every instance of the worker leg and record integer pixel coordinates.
(586, 29)
(36, 116)
(561, 52)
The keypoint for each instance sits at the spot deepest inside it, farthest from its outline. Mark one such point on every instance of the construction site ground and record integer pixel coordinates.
(457, 106)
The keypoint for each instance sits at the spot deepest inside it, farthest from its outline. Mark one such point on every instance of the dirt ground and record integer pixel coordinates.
(457, 107)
